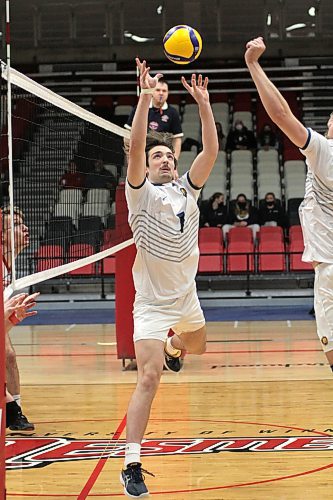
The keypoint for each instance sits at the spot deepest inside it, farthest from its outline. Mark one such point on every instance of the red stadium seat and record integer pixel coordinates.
(295, 234)
(79, 251)
(270, 233)
(109, 263)
(242, 262)
(296, 263)
(49, 256)
(271, 261)
(210, 235)
(240, 234)
(211, 257)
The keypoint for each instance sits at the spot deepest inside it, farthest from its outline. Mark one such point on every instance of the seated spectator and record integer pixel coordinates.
(267, 138)
(101, 178)
(221, 137)
(214, 211)
(240, 137)
(242, 214)
(72, 179)
(271, 212)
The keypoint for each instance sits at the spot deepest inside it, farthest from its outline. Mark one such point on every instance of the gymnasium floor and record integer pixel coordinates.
(263, 392)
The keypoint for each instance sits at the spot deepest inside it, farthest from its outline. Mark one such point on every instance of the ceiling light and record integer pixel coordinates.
(159, 9)
(295, 26)
(312, 11)
(269, 20)
(136, 38)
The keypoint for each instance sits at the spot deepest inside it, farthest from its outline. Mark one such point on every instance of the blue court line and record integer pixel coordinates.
(238, 313)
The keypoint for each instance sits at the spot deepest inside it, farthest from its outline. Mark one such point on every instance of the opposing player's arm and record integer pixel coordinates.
(136, 171)
(204, 162)
(273, 102)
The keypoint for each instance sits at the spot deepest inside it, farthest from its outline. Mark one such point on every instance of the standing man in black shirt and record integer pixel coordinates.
(161, 116)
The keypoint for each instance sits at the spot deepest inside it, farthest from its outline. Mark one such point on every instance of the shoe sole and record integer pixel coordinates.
(21, 430)
(128, 494)
(169, 369)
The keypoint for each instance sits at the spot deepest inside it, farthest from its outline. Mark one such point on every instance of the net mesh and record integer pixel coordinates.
(67, 167)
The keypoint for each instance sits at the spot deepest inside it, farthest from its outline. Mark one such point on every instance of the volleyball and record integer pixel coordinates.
(182, 44)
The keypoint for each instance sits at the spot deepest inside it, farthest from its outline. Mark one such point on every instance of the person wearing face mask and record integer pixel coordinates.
(214, 211)
(316, 210)
(267, 138)
(164, 218)
(161, 116)
(271, 212)
(242, 214)
(239, 137)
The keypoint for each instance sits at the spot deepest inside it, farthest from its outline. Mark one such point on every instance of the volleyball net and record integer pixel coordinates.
(63, 170)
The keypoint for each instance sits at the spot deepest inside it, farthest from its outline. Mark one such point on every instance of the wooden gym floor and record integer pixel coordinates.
(251, 419)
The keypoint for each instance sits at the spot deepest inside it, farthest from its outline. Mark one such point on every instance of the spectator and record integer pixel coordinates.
(221, 137)
(240, 137)
(242, 214)
(267, 138)
(271, 212)
(72, 179)
(214, 211)
(101, 178)
(161, 116)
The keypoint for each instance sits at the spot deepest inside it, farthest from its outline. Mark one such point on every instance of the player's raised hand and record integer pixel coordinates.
(254, 49)
(147, 81)
(11, 304)
(197, 89)
(22, 309)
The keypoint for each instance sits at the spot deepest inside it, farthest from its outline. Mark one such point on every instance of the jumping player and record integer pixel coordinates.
(164, 217)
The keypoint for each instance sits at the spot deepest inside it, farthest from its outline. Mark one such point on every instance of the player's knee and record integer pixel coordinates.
(10, 357)
(199, 348)
(150, 379)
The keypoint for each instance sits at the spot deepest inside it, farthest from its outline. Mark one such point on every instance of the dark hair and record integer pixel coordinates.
(215, 196)
(241, 194)
(163, 80)
(17, 211)
(270, 193)
(159, 139)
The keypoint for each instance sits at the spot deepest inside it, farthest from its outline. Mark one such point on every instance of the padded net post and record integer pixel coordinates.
(2, 384)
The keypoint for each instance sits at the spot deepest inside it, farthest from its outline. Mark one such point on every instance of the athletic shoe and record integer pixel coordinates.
(133, 481)
(172, 363)
(21, 423)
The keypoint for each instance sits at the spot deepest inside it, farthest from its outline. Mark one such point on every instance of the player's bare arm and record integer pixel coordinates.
(204, 162)
(136, 171)
(274, 103)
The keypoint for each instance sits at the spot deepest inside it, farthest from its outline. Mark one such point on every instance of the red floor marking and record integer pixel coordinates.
(100, 464)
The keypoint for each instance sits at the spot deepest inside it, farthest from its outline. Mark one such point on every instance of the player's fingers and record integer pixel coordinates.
(205, 84)
(200, 80)
(194, 82)
(186, 85)
(30, 313)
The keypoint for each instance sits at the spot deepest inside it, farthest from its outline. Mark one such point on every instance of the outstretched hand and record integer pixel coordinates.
(254, 49)
(21, 305)
(147, 81)
(198, 90)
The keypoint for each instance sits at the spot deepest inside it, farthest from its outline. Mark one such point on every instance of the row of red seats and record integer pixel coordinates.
(50, 256)
(240, 256)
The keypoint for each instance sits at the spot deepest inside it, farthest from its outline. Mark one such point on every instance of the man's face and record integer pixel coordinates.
(161, 165)
(160, 94)
(21, 233)
(329, 133)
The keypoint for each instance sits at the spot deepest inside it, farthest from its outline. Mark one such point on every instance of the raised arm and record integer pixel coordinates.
(204, 162)
(136, 170)
(272, 100)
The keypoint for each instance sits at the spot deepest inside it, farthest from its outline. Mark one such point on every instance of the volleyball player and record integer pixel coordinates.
(316, 210)
(164, 217)
(21, 241)
(16, 307)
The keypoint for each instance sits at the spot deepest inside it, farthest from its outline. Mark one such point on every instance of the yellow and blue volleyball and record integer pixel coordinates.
(182, 44)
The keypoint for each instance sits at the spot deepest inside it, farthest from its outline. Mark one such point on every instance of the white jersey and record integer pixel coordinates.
(316, 210)
(164, 219)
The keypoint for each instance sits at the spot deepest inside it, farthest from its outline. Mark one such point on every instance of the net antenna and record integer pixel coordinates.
(29, 87)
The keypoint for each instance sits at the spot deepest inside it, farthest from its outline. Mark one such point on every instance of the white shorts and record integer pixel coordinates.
(153, 320)
(323, 304)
